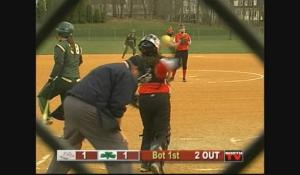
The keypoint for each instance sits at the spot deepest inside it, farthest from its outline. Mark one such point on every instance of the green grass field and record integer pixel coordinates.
(109, 37)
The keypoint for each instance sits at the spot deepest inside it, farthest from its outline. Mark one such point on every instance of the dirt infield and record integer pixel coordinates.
(221, 106)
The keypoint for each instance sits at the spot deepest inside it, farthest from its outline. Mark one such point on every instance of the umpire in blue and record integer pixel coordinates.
(93, 110)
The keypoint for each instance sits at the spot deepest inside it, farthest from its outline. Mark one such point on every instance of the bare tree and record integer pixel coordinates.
(154, 9)
(204, 15)
(130, 8)
(103, 8)
(121, 4)
(144, 8)
(172, 13)
(197, 11)
(163, 9)
(114, 8)
(181, 12)
(176, 10)
(40, 9)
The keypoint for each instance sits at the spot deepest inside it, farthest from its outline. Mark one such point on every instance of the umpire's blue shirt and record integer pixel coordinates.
(109, 86)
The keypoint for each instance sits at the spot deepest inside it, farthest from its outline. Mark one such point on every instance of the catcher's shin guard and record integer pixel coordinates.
(157, 167)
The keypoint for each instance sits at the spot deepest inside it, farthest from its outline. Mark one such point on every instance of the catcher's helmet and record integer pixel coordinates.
(149, 45)
(65, 29)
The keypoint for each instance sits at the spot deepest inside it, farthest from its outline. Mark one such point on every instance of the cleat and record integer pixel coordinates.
(156, 169)
(145, 167)
(48, 121)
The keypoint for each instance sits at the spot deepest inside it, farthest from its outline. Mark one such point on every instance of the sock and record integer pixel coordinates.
(184, 73)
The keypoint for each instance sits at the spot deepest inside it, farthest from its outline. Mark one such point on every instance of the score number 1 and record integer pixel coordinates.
(84, 154)
(125, 154)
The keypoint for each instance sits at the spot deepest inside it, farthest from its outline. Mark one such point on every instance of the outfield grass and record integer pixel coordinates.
(109, 37)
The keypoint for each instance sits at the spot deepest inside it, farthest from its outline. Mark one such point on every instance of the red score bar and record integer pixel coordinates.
(183, 155)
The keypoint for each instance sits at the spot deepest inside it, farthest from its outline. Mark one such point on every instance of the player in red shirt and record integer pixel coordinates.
(182, 41)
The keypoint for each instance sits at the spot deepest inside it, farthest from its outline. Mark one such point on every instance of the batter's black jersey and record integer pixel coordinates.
(111, 86)
(147, 67)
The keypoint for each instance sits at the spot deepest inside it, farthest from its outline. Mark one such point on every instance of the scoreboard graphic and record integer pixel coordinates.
(138, 155)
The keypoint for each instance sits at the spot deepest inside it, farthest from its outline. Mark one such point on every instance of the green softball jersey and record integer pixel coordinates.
(66, 60)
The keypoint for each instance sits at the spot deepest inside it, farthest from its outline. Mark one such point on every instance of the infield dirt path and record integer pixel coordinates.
(221, 106)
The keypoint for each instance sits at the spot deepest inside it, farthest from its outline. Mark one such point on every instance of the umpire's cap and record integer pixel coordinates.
(136, 60)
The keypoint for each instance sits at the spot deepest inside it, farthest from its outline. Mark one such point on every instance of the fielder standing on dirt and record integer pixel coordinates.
(94, 108)
(182, 41)
(130, 41)
(65, 73)
(154, 99)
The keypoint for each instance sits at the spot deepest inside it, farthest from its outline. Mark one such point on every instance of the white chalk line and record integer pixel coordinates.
(43, 159)
(259, 76)
(189, 138)
(199, 56)
(208, 169)
(234, 140)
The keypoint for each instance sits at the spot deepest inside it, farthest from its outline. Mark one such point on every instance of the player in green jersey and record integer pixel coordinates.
(65, 73)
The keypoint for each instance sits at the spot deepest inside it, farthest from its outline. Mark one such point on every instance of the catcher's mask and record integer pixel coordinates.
(65, 29)
(149, 45)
